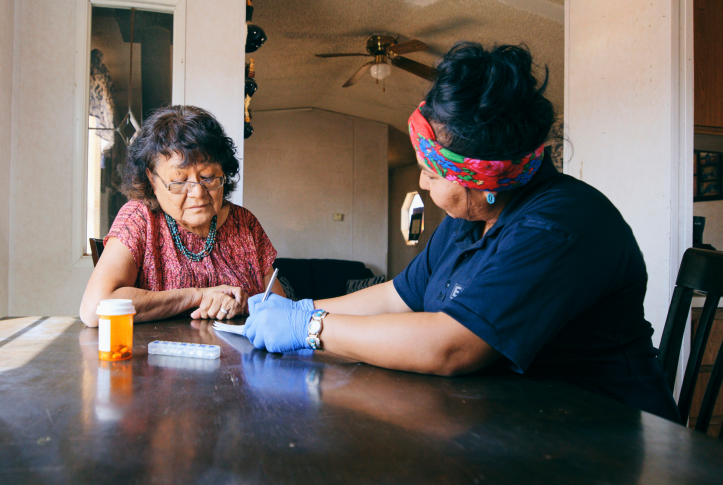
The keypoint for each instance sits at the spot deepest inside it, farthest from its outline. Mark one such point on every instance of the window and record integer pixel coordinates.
(97, 146)
(412, 218)
(131, 59)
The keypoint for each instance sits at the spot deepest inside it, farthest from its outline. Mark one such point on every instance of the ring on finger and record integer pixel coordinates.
(223, 310)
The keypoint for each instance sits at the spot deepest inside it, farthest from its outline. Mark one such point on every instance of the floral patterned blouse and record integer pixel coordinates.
(241, 256)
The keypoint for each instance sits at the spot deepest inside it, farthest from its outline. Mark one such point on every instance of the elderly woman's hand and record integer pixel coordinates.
(221, 302)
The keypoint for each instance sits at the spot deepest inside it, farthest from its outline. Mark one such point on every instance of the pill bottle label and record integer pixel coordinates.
(104, 334)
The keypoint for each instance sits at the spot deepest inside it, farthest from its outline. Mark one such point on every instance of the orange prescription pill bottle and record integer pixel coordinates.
(115, 329)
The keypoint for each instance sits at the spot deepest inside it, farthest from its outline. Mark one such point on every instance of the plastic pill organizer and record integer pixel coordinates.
(183, 349)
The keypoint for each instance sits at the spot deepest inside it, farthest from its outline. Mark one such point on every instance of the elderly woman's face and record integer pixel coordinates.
(195, 209)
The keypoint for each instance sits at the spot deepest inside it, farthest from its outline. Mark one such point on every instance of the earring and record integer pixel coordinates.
(490, 198)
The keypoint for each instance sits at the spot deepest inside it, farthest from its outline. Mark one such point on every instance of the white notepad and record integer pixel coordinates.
(225, 327)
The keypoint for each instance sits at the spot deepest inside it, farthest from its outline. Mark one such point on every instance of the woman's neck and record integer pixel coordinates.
(202, 231)
(481, 210)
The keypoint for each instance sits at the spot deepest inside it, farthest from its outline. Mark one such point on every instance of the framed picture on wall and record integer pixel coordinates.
(708, 176)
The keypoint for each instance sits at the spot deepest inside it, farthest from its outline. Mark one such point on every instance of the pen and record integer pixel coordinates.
(271, 283)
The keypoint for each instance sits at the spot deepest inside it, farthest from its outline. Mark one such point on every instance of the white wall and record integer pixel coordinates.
(215, 54)
(301, 166)
(628, 110)
(43, 279)
(7, 9)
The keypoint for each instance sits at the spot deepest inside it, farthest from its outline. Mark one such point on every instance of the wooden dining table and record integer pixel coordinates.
(307, 417)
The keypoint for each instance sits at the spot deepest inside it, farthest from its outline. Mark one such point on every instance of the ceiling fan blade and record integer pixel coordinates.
(358, 75)
(342, 55)
(413, 45)
(416, 68)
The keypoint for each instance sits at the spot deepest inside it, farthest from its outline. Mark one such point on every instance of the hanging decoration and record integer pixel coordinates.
(251, 86)
(249, 90)
(248, 129)
(102, 105)
(255, 38)
(130, 119)
(255, 35)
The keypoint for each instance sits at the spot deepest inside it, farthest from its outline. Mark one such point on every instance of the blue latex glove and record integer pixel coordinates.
(276, 301)
(278, 329)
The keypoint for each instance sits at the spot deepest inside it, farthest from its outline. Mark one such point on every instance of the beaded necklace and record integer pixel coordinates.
(207, 248)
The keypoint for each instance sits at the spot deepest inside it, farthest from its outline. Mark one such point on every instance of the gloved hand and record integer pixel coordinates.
(276, 301)
(278, 329)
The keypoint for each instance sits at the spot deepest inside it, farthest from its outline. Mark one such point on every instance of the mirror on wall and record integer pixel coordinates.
(131, 54)
(412, 218)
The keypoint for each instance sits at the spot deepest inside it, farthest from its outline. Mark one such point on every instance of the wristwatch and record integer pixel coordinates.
(316, 325)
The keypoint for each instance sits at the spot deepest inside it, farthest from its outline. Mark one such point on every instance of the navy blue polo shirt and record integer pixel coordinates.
(556, 286)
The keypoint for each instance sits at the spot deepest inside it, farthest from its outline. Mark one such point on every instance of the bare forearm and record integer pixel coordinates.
(155, 305)
(151, 305)
(375, 300)
(427, 343)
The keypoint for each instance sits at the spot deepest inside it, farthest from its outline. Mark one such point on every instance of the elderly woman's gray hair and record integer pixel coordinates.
(190, 132)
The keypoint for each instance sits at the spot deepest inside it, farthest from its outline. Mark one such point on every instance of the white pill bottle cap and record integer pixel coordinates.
(111, 308)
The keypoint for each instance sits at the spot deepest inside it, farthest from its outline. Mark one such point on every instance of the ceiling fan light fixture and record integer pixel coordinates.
(381, 71)
(385, 48)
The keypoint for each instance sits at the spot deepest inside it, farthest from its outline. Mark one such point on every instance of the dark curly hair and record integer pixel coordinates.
(191, 132)
(487, 103)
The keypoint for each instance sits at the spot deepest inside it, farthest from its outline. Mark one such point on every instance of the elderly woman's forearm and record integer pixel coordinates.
(150, 305)
(157, 305)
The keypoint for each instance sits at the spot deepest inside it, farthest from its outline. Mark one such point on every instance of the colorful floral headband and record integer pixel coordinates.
(492, 175)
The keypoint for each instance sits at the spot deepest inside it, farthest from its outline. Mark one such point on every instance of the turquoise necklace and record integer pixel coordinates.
(207, 248)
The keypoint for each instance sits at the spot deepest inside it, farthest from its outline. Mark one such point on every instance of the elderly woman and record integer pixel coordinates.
(179, 244)
(532, 269)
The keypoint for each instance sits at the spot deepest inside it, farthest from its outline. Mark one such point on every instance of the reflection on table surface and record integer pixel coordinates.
(255, 417)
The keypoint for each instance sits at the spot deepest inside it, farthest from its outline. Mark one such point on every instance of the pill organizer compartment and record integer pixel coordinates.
(184, 349)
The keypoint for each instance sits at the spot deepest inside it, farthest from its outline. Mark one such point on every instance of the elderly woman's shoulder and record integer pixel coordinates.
(242, 215)
(240, 212)
(134, 209)
(135, 206)
(131, 222)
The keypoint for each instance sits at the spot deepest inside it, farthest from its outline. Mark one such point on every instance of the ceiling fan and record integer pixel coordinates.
(383, 48)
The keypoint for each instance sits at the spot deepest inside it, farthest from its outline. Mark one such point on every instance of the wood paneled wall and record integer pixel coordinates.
(708, 39)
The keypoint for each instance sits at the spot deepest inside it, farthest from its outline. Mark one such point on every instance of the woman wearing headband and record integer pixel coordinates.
(532, 269)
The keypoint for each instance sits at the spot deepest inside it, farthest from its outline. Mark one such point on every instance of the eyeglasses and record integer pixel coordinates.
(212, 183)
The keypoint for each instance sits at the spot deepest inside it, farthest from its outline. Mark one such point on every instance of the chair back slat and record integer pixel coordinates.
(673, 331)
(702, 270)
(696, 355)
(96, 249)
(711, 393)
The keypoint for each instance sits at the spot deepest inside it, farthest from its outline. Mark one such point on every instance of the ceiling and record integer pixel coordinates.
(290, 76)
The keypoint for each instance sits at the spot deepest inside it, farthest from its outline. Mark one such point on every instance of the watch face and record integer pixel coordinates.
(314, 326)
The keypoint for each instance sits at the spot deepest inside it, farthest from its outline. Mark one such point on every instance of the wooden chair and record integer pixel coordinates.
(96, 249)
(700, 270)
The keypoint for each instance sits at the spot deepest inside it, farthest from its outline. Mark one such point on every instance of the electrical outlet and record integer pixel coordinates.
(337, 217)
